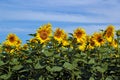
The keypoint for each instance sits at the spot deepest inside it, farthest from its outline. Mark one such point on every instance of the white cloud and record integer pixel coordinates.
(30, 15)
(101, 10)
(16, 30)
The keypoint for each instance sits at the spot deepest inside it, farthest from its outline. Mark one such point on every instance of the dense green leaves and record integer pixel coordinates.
(68, 66)
(17, 67)
(38, 66)
(41, 59)
(56, 68)
(48, 53)
(1, 63)
(91, 78)
(91, 61)
(6, 76)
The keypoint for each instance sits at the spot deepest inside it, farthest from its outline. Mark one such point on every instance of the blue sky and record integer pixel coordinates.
(23, 17)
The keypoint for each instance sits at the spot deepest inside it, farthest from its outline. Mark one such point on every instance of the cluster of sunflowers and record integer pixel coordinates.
(85, 42)
(61, 55)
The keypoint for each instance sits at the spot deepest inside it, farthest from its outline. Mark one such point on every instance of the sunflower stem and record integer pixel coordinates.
(118, 38)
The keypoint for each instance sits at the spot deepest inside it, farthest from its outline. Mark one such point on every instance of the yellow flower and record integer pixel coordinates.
(33, 40)
(80, 35)
(98, 39)
(114, 55)
(109, 33)
(25, 47)
(18, 43)
(65, 41)
(48, 28)
(82, 46)
(117, 55)
(12, 39)
(59, 35)
(12, 51)
(91, 44)
(114, 43)
(7, 49)
(6, 43)
(44, 33)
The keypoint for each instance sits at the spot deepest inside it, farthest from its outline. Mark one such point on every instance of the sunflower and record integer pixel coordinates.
(18, 43)
(48, 27)
(109, 33)
(91, 44)
(114, 43)
(25, 47)
(6, 43)
(98, 39)
(59, 35)
(65, 41)
(44, 33)
(33, 40)
(82, 46)
(80, 35)
(12, 39)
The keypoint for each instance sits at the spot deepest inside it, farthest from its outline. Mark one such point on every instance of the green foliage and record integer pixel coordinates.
(52, 61)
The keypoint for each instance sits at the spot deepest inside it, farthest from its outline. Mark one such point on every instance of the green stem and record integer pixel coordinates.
(118, 51)
(103, 76)
(72, 76)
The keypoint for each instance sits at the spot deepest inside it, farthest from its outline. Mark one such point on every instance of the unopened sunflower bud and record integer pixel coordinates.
(118, 33)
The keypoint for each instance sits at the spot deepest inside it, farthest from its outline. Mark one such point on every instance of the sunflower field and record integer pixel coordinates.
(57, 55)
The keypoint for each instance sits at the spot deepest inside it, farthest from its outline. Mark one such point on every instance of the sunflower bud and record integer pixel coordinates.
(118, 32)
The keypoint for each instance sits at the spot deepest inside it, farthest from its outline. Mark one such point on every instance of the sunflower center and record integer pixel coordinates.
(79, 34)
(92, 43)
(43, 35)
(58, 34)
(109, 33)
(12, 39)
(100, 39)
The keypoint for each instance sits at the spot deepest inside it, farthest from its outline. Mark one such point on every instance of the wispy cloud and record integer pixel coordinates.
(71, 13)
(61, 10)
(30, 15)
(16, 30)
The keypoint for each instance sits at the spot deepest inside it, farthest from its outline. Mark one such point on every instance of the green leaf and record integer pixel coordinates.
(32, 34)
(25, 70)
(31, 79)
(56, 55)
(70, 34)
(17, 67)
(91, 61)
(48, 68)
(68, 66)
(41, 78)
(29, 61)
(38, 66)
(109, 78)
(6, 76)
(77, 73)
(14, 61)
(100, 69)
(47, 53)
(56, 68)
(1, 63)
(91, 78)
